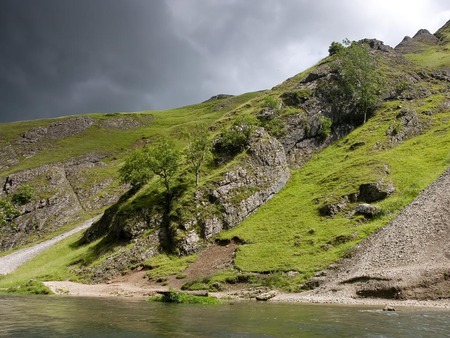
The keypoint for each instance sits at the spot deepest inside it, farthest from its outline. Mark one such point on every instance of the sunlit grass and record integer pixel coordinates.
(288, 234)
(52, 264)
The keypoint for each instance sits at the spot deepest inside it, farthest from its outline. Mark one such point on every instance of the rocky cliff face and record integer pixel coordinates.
(222, 204)
(62, 194)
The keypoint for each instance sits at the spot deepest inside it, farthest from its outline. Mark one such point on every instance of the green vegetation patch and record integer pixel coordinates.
(162, 266)
(32, 287)
(55, 263)
(184, 298)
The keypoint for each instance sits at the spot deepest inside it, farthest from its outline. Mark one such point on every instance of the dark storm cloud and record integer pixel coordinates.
(61, 57)
(65, 57)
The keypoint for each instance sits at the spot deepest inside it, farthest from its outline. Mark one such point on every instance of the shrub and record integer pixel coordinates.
(270, 102)
(32, 287)
(275, 127)
(235, 139)
(335, 48)
(7, 212)
(325, 126)
(23, 195)
(184, 298)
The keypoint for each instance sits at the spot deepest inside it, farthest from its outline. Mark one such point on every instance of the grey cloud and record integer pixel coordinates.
(65, 57)
(60, 57)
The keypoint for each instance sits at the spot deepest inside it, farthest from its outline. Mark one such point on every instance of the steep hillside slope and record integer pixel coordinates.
(308, 183)
(407, 259)
(67, 167)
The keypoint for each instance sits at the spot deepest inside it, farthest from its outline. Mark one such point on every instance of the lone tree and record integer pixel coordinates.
(136, 170)
(198, 149)
(163, 161)
(359, 76)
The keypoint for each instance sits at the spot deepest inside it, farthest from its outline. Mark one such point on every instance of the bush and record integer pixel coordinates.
(335, 48)
(23, 195)
(325, 126)
(270, 102)
(32, 287)
(7, 212)
(235, 139)
(275, 127)
(184, 298)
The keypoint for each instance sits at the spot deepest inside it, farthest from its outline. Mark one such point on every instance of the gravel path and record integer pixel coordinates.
(11, 262)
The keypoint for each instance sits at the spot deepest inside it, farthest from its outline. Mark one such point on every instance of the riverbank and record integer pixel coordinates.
(135, 286)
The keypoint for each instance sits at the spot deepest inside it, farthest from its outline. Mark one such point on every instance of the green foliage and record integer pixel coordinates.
(360, 77)
(135, 170)
(31, 287)
(325, 126)
(7, 212)
(235, 139)
(23, 195)
(270, 102)
(275, 127)
(199, 148)
(163, 161)
(184, 298)
(335, 48)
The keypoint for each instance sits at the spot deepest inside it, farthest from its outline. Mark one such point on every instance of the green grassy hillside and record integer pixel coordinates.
(405, 143)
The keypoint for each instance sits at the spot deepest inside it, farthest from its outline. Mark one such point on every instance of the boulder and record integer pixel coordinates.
(377, 45)
(368, 210)
(266, 296)
(373, 192)
(330, 210)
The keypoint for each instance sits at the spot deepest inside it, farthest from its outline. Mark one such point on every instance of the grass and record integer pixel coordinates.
(431, 58)
(162, 266)
(32, 287)
(53, 264)
(108, 140)
(288, 234)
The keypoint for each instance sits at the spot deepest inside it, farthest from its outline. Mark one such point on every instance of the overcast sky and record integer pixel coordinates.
(64, 57)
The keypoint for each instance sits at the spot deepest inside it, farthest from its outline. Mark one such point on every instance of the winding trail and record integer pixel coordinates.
(11, 262)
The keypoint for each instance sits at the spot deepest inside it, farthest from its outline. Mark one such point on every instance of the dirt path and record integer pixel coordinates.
(11, 262)
(136, 285)
(133, 285)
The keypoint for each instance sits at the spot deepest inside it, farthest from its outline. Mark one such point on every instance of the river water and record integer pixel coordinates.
(56, 316)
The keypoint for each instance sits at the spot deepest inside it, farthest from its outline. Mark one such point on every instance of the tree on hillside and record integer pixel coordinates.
(360, 76)
(7, 212)
(143, 163)
(163, 161)
(198, 149)
(136, 170)
(235, 139)
(335, 48)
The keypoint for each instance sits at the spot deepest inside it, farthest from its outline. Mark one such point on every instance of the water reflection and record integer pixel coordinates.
(33, 316)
